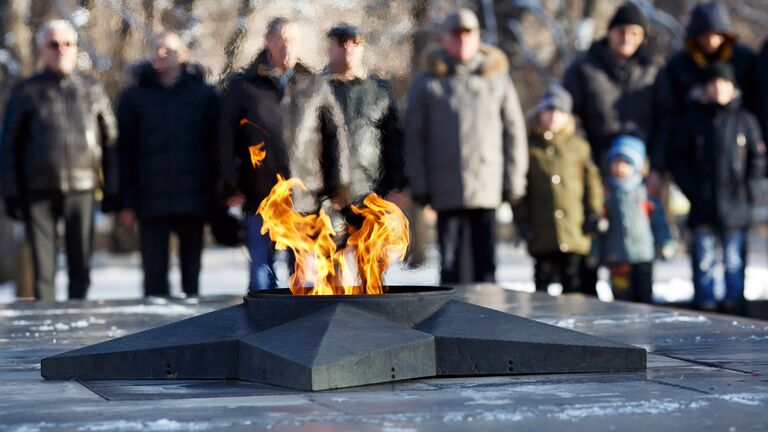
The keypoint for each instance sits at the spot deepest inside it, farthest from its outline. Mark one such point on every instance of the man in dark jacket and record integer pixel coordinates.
(168, 121)
(466, 146)
(280, 106)
(762, 73)
(720, 151)
(370, 114)
(710, 38)
(614, 92)
(612, 84)
(58, 140)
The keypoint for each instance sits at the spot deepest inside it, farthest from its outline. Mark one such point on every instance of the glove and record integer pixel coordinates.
(509, 197)
(667, 251)
(595, 225)
(13, 208)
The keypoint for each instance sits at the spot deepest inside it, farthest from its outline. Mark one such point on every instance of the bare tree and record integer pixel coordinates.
(235, 41)
(149, 14)
(18, 58)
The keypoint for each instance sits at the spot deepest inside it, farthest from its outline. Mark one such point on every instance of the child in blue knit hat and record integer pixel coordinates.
(637, 231)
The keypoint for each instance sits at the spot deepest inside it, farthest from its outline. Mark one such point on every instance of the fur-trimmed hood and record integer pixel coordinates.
(706, 17)
(490, 60)
(702, 60)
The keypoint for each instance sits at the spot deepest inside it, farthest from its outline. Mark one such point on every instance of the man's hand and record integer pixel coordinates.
(595, 225)
(508, 197)
(236, 200)
(127, 217)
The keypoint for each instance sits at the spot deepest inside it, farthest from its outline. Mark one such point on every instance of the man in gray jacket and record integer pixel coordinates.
(466, 146)
(58, 148)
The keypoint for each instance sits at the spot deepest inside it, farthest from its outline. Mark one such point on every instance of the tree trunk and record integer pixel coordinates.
(149, 15)
(179, 17)
(235, 42)
(15, 38)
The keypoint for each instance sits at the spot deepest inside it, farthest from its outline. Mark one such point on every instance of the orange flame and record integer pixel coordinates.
(310, 237)
(245, 121)
(383, 235)
(257, 154)
(256, 150)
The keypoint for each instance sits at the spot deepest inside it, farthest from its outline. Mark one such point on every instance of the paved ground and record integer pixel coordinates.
(705, 372)
(225, 272)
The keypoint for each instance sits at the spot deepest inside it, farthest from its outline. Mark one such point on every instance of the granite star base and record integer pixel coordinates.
(327, 342)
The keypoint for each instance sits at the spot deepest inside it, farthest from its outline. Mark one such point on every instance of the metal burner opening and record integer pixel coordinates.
(406, 305)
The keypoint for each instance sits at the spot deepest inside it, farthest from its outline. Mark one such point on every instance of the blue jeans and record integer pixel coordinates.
(704, 259)
(262, 253)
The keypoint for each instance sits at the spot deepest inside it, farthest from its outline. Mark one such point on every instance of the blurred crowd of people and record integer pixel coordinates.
(587, 174)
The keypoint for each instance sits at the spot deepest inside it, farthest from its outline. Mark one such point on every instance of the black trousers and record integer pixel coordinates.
(632, 282)
(589, 279)
(558, 267)
(467, 245)
(42, 213)
(154, 234)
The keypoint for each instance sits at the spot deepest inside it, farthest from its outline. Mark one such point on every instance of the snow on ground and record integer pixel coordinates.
(225, 271)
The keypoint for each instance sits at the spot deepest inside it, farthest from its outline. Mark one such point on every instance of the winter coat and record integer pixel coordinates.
(465, 133)
(720, 150)
(563, 193)
(685, 74)
(762, 72)
(168, 143)
(612, 97)
(59, 136)
(637, 229)
(375, 137)
(302, 129)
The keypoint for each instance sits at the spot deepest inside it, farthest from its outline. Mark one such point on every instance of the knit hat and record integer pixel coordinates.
(707, 17)
(630, 148)
(720, 70)
(556, 97)
(344, 31)
(461, 19)
(628, 14)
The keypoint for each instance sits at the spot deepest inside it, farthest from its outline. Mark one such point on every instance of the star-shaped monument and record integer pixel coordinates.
(326, 342)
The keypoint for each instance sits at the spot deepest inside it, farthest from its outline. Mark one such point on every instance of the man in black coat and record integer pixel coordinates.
(613, 83)
(719, 152)
(762, 81)
(615, 91)
(58, 143)
(278, 105)
(168, 121)
(370, 114)
(710, 38)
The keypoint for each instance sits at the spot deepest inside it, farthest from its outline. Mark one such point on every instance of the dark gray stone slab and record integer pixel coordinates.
(474, 340)
(701, 389)
(338, 346)
(201, 347)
